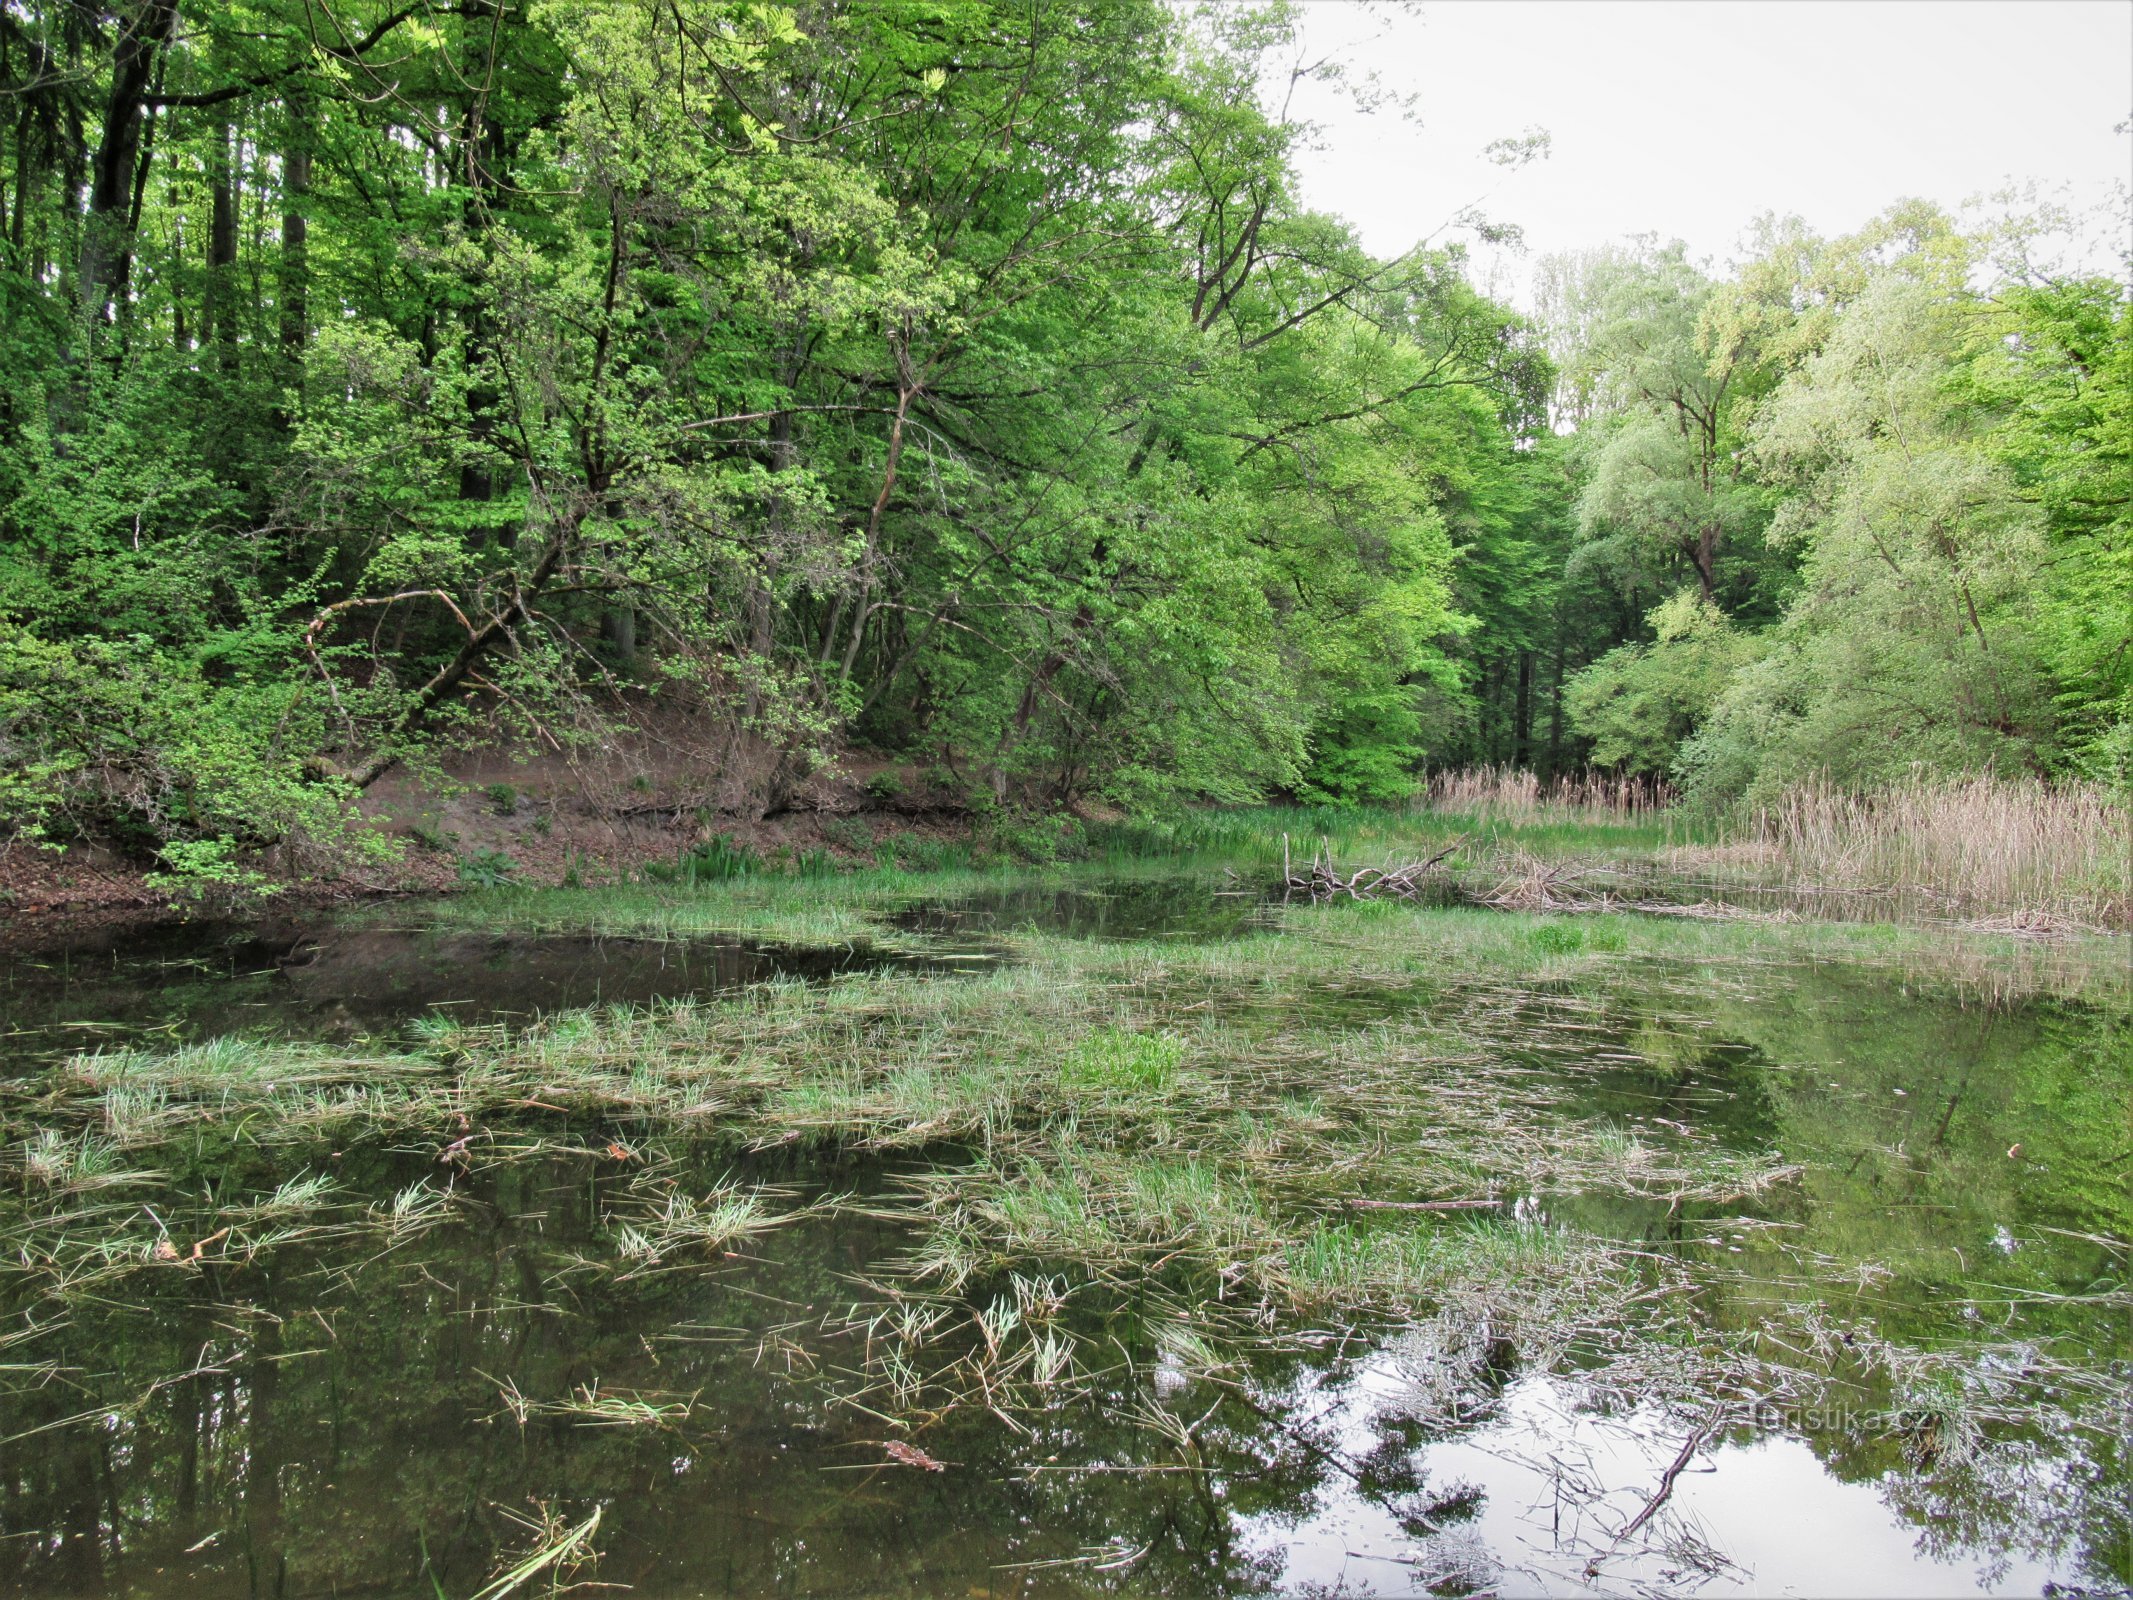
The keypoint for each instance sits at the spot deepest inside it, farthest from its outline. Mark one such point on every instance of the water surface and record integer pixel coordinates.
(367, 1408)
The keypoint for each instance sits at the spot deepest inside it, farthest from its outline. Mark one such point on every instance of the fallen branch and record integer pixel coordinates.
(1695, 1442)
(1322, 882)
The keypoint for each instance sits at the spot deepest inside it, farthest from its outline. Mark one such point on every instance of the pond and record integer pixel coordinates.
(1214, 1250)
(328, 978)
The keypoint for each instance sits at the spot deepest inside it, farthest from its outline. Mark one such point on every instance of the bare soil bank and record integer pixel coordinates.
(547, 818)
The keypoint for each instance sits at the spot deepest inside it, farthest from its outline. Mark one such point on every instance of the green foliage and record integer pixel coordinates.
(1367, 752)
(488, 869)
(1639, 702)
(613, 378)
(2059, 387)
(1914, 635)
(147, 743)
(1081, 463)
(198, 867)
(1038, 840)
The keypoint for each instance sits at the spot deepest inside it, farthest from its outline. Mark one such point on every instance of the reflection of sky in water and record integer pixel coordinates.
(1907, 1110)
(1770, 1509)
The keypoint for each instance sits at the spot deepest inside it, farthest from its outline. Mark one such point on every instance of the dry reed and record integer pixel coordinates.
(1979, 846)
(1516, 793)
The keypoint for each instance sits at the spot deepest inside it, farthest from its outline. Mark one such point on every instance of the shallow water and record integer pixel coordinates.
(1183, 907)
(346, 1414)
(339, 979)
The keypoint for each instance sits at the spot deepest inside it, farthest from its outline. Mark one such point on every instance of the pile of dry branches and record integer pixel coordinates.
(1322, 882)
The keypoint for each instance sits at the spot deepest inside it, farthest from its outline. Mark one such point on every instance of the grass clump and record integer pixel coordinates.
(1112, 1058)
(1339, 1262)
(488, 869)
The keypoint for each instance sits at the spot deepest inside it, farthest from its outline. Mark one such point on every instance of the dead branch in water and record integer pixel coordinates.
(1323, 882)
(1535, 885)
(1695, 1442)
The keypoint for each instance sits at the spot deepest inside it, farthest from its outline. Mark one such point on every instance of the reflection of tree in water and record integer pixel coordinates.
(316, 1420)
(2045, 1498)
(324, 1422)
(1963, 1150)
(326, 979)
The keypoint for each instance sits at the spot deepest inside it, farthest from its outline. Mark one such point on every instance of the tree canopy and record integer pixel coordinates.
(967, 380)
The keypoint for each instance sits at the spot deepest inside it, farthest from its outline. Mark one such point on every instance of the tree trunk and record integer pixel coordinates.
(446, 681)
(106, 243)
(122, 282)
(265, 1560)
(295, 281)
(1522, 713)
(1555, 705)
(218, 322)
(1705, 556)
(180, 338)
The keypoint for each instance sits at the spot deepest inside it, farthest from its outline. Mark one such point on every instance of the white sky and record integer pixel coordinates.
(1690, 117)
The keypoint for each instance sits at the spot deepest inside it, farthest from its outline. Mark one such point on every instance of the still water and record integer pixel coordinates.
(398, 1414)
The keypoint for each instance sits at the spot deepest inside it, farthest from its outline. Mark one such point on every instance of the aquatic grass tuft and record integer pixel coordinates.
(1113, 1058)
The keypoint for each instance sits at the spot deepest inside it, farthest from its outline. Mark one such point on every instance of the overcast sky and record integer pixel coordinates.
(1689, 117)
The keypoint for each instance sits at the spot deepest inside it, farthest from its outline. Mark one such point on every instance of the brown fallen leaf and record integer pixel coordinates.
(911, 1456)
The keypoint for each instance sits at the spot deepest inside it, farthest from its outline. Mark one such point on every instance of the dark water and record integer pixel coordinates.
(331, 979)
(337, 1417)
(1181, 907)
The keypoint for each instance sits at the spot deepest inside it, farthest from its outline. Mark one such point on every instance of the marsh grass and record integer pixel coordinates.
(1977, 846)
(1520, 794)
(1233, 1137)
(1115, 1104)
(561, 1550)
(1113, 1058)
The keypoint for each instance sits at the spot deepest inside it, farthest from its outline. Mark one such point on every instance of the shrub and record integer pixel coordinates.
(1639, 702)
(1040, 840)
(488, 869)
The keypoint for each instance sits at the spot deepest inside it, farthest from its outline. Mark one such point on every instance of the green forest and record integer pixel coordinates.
(967, 381)
(798, 801)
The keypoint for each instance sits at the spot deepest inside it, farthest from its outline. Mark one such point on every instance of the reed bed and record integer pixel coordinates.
(1519, 794)
(2030, 853)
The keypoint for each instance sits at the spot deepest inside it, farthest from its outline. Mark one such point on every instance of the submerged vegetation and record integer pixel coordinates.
(1139, 1174)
